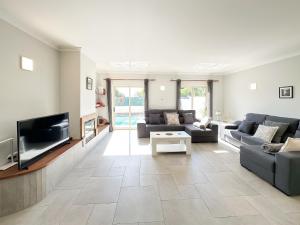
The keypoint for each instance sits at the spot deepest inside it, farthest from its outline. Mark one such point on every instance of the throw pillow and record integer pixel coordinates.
(246, 126)
(154, 118)
(199, 125)
(291, 145)
(188, 118)
(265, 133)
(205, 121)
(281, 130)
(172, 119)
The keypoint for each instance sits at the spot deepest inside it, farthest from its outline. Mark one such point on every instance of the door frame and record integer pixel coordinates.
(130, 127)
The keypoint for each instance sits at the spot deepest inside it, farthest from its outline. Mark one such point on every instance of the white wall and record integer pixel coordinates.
(164, 99)
(25, 94)
(239, 99)
(87, 97)
(70, 89)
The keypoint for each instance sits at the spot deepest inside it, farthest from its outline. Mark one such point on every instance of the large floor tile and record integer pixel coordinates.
(100, 190)
(138, 204)
(102, 214)
(187, 212)
(76, 215)
(270, 210)
(230, 184)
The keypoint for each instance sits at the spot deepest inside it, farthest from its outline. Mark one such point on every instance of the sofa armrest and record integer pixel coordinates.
(287, 176)
(214, 127)
(141, 129)
(235, 125)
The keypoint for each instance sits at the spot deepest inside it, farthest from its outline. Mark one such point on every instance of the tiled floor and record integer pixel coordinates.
(120, 183)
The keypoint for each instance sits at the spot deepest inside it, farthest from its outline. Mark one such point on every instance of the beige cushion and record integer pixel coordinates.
(291, 145)
(172, 119)
(265, 133)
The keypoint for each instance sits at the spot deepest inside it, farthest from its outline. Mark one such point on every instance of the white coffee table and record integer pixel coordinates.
(170, 136)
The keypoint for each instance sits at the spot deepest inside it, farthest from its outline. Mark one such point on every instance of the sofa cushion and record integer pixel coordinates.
(255, 117)
(291, 145)
(154, 118)
(238, 135)
(282, 127)
(172, 118)
(164, 127)
(257, 156)
(198, 132)
(266, 133)
(188, 118)
(250, 140)
(293, 125)
(246, 126)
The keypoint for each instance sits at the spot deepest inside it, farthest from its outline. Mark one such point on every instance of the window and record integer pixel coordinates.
(194, 98)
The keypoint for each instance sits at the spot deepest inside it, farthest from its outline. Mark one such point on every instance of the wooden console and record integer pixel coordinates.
(20, 189)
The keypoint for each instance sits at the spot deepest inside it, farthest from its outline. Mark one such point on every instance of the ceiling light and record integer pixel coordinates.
(129, 65)
(211, 66)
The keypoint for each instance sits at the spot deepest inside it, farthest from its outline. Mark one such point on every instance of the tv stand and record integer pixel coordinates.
(42, 176)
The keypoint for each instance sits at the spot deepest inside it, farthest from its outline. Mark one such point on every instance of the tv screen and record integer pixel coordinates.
(39, 135)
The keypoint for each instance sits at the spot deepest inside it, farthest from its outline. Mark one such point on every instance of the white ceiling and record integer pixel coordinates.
(165, 36)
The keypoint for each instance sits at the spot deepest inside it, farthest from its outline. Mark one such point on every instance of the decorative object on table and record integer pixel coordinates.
(100, 90)
(286, 92)
(8, 157)
(100, 104)
(218, 115)
(89, 83)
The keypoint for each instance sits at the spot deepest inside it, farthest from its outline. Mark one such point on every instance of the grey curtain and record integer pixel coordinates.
(210, 89)
(109, 103)
(146, 90)
(178, 87)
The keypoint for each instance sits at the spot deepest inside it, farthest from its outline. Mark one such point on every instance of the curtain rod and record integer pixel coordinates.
(129, 79)
(196, 80)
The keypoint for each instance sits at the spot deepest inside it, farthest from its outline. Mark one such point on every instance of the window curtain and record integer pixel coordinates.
(178, 87)
(210, 90)
(146, 90)
(109, 103)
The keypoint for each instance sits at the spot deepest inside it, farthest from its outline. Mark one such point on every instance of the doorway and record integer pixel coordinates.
(128, 107)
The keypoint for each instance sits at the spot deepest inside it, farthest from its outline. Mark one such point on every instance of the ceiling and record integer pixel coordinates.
(165, 36)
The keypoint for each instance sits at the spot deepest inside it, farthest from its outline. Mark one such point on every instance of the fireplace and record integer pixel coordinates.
(88, 126)
(89, 130)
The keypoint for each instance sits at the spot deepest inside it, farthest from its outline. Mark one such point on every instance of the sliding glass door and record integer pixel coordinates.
(195, 98)
(128, 107)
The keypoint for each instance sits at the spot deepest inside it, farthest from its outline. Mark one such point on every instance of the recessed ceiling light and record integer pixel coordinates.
(207, 66)
(129, 65)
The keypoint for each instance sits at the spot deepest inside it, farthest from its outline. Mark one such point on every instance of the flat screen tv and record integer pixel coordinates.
(38, 136)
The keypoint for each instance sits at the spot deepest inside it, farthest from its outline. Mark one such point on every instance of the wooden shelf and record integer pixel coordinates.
(43, 162)
(100, 128)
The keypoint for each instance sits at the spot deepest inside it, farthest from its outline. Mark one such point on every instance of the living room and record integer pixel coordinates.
(149, 112)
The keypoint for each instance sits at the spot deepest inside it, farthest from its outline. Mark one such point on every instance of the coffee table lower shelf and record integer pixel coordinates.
(164, 142)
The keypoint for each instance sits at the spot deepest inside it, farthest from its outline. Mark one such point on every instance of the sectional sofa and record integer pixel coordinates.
(282, 169)
(237, 138)
(144, 127)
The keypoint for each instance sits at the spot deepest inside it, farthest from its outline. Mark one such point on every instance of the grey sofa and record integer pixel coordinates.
(281, 169)
(210, 134)
(238, 138)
